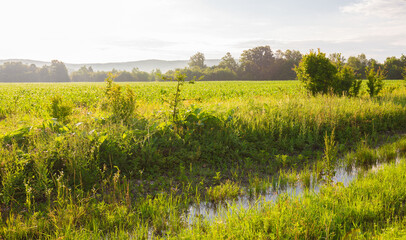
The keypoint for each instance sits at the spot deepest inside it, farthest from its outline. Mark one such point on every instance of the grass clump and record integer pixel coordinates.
(305, 177)
(365, 156)
(227, 190)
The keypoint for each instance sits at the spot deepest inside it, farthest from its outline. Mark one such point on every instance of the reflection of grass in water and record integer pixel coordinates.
(387, 153)
(305, 177)
(258, 186)
(287, 178)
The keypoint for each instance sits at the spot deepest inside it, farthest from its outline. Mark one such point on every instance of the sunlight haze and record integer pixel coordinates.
(110, 31)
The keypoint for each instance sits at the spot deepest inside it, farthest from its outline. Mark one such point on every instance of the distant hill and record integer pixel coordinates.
(143, 65)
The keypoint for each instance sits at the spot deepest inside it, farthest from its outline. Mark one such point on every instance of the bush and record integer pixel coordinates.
(320, 75)
(120, 103)
(316, 72)
(346, 82)
(60, 109)
(375, 81)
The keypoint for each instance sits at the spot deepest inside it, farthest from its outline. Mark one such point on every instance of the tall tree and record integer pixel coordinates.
(293, 57)
(359, 64)
(228, 62)
(337, 58)
(197, 60)
(393, 67)
(285, 63)
(58, 72)
(257, 63)
(43, 74)
(84, 74)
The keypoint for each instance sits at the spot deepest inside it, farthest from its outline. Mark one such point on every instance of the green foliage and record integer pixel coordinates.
(394, 67)
(176, 101)
(375, 81)
(359, 64)
(330, 155)
(197, 60)
(228, 62)
(19, 72)
(60, 108)
(58, 72)
(370, 207)
(94, 179)
(320, 75)
(227, 190)
(404, 73)
(257, 63)
(316, 72)
(120, 103)
(346, 82)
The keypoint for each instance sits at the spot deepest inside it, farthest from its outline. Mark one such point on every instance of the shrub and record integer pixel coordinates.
(375, 81)
(120, 103)
(346, 82)
(316, 72)
(320, 75)
(60, 109)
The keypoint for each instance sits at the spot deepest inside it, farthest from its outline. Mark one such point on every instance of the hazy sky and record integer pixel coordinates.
(79, 31)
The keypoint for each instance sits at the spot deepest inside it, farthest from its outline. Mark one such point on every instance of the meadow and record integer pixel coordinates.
(83, 161)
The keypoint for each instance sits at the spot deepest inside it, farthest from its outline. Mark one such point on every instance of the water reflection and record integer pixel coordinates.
(208, 210)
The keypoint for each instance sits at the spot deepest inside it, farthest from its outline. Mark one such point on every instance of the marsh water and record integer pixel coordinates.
(209, 211)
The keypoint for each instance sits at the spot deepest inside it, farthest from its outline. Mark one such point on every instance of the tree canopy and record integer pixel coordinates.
(197, 60)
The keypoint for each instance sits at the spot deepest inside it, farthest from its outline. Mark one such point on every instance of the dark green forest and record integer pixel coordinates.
(259, 63)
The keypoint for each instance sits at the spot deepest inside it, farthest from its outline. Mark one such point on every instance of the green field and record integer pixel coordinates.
(75, 163)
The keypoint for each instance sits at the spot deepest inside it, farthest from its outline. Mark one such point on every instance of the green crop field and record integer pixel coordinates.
(119, 161)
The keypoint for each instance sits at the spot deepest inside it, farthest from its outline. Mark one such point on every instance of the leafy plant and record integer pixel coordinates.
(120, 103)
(316, 72)
(227, 190)
(320, 75)
(59, 108)
(375, 81)
(346, 82)
(176, 101)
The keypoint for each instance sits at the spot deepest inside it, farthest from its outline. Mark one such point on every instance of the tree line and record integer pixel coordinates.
(19, 72)
(259, 63)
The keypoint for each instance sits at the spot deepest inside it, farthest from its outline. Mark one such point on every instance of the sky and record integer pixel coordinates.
(90, 31)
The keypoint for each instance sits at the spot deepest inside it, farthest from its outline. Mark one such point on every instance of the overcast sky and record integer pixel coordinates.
(83, 31)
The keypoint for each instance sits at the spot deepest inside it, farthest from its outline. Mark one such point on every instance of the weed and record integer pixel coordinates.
(375, 81)
(121, 103)
(59, 108)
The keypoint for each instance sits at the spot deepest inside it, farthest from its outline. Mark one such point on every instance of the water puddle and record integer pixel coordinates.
(209, 211)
